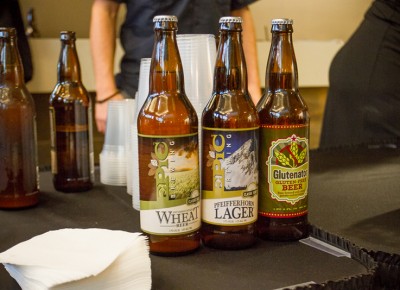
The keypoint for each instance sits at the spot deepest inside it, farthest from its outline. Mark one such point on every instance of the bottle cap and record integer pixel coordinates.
(6, 32)
(280, 21)
(169, 18)
(230, 19)
(67, 35)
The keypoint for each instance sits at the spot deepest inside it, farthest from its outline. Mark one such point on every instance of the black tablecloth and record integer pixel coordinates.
(354, 194)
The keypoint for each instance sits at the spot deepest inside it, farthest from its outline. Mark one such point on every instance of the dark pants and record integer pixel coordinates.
(363, 105)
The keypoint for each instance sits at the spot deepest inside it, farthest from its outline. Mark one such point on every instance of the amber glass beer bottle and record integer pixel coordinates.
(19, 185)
(72, 162)
(230, 149)
(284, 146)
(168, 152)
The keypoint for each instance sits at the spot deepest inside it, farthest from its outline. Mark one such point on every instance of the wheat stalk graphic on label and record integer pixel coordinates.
(294, 159)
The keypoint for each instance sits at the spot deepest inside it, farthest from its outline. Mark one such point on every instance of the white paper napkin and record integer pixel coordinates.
(80, 259)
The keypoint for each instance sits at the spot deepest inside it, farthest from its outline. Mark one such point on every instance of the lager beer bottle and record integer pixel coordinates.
(284, 146)
(19, 186)
(230, 149)
(168, 152)
(72, 162)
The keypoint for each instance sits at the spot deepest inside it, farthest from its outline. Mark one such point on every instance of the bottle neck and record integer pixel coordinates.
(11, 69)
(166, 72)
(281, 66)
(68, 64)
(230, 68)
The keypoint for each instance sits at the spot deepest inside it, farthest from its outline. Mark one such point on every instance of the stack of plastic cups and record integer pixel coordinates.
(130, 119)
(143, 91)
(113, 154)
(198, 54)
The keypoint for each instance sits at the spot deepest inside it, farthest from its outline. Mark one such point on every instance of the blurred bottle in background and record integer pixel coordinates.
(72, 157)
(19, 179)
(31, 28)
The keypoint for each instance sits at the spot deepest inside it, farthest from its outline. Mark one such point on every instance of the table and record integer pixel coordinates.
(354, 194)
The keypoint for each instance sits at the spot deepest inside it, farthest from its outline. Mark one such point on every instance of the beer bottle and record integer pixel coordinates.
(230, 149)
(168, 152)
(72, 162)
(19, 186)
(284, 146)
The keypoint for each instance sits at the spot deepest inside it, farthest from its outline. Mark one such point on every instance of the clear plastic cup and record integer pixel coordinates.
(143, 91)
(113, 154)
(130, 119)
(198, 53)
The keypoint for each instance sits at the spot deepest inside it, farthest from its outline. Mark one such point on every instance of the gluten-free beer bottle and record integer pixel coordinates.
(168, 151)
(284, 146)
(19, 186)
(72, 162)
(230, 149)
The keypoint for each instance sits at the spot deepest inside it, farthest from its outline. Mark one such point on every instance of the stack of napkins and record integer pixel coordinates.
(80, 259)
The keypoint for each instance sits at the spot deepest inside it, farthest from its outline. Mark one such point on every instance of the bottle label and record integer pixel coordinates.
(53, 148)
(91, 148)
(230, 176)
(169, 184)
(284, 171)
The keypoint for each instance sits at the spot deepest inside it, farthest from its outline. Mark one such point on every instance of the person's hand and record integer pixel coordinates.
(255, 93)
(101, 113)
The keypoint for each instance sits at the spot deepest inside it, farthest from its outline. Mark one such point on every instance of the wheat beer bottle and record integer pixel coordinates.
(284, 145)
(168, 152)
(18, 152)
(72, 162)
(230, 149)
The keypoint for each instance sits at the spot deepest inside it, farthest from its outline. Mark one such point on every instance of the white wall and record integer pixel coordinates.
(53, 16)
(313, 19)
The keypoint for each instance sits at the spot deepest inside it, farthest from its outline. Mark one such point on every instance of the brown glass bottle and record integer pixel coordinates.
(19, 186)
(168, 152)
(284, 134)
(230, 149)
(72, 162)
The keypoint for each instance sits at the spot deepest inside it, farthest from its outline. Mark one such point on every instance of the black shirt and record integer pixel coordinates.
(137, 35)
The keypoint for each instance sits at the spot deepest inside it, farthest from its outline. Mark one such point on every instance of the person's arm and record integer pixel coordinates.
(102, 41)
(250, 51)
